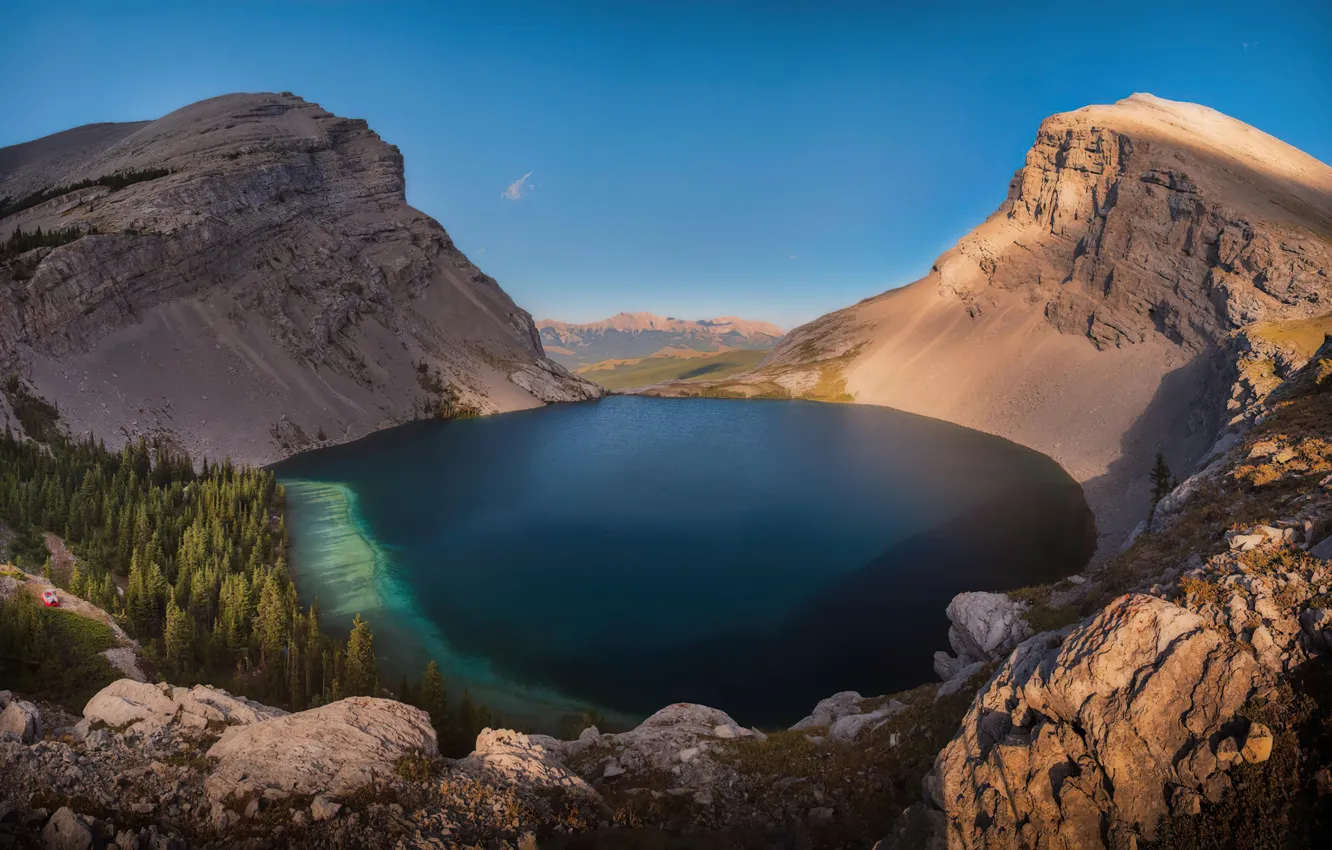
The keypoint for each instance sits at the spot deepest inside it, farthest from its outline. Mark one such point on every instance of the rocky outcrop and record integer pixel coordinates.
(828, 711)
(984, 627)
(512, 758)
(145, 709)
(1091, 316)
(1082, 730)
(1094, 734)
(272, 292)
(332, 750)
(844, 717)
(677, 741)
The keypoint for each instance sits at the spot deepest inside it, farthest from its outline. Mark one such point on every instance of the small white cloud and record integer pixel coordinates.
(518, 188)
(793, 256)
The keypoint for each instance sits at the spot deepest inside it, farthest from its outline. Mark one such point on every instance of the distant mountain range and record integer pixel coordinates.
(627, 336)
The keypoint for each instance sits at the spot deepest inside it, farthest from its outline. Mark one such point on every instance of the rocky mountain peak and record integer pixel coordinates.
(1101, 312)
(244, 275)
(1154, 217)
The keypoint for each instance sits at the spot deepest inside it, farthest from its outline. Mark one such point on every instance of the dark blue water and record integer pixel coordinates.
(624, 554)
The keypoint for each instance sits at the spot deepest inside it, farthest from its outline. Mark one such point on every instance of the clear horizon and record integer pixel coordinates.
(694, 159)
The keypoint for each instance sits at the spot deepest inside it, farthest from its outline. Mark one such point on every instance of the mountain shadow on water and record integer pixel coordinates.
(861, 633)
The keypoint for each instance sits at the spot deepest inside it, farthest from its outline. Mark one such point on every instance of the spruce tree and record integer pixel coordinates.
(1162, 480)
(362, 677)
(178, 636)
(434, 699)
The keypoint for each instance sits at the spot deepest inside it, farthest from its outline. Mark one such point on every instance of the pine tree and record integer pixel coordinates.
(178, 636)
(467, 719)
(1162, 480)
(434, 699)
(362, 677)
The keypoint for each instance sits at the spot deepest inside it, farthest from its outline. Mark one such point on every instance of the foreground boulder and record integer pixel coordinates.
(844, 717)
(1083, 730)
(144, 709)
(332, 750)
(506, 757)
(985, 627)
(21, 719)
(829, 711)
(67, 831)
(675, 740)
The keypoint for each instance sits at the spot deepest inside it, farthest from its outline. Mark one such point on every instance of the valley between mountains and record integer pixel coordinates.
(243, 278)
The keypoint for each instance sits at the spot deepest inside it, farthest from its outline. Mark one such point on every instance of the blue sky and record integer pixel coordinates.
(773, 159)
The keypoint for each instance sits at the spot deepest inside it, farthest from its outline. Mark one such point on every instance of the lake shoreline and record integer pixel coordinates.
(507, 536)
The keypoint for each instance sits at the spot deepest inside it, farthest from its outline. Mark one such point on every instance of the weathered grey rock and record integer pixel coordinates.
(141, 708)
(685, 714)
(22, 720)
(334, 749)
(66, 831)
(6, 697)
(512, 758)
(985, 627)
(218, 706)
(845, 729)
(678, 742)
(125, 703)
(829, 710)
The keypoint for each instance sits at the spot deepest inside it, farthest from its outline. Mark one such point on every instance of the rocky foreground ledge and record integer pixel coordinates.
(152, 765)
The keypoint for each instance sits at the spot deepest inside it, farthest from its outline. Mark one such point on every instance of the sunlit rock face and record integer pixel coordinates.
(1091, 315)
(274, 291)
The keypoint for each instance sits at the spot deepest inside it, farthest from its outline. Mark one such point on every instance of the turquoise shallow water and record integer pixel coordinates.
(628, 553)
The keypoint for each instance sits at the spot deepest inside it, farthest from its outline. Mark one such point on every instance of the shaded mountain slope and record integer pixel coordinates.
(271, 291)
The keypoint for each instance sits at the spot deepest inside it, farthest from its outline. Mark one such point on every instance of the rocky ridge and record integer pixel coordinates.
(259, 286)
(1154, 718)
